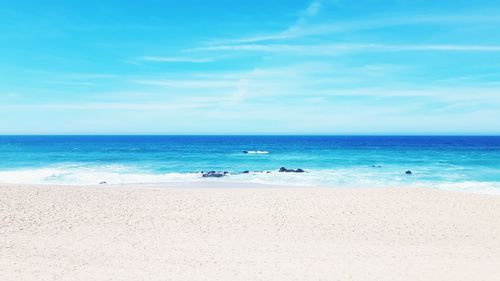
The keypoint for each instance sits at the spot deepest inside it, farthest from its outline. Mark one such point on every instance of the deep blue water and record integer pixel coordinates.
(330, 160)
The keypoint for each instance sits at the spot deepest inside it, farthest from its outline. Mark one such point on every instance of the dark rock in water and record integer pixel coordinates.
(408, 172)
(245, 151)
(103, 182)
(285, 170)
(245, 172)
(214, 174)
(376, 166)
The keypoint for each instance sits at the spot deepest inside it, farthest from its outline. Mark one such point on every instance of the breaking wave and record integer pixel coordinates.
(339, 178)
(256, 151)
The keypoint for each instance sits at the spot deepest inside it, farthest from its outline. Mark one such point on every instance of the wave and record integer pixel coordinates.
(339, 178)
(256, 151)
(112, 174)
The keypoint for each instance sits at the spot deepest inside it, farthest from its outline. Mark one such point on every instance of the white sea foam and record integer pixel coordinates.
(112, 174)
(340, 178)
(256, 151)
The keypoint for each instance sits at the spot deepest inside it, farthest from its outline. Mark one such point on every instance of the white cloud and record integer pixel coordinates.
(306, 81)
(312, 9)
(99, 106)
(176, 59)
(189, 84)
(71, 83)
(340, 48)
(178, 104)
(301, 28)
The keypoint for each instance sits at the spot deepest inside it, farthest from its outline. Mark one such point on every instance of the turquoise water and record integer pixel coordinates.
(451, 162)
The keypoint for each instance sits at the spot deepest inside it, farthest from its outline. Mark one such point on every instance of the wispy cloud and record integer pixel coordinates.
(340, 48)
(189, 84)
(193, 102)
(70, 83)
(100, 106)
(303, 28)
(323, 82)
(176, 59)
(309, 12)
(312, 9)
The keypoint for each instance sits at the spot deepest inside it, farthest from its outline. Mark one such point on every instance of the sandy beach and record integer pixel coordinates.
(165, 233)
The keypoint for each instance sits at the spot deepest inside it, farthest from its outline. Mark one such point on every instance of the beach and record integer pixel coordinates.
(246, 233)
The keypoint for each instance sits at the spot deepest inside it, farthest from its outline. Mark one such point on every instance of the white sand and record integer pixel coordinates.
(113, 233)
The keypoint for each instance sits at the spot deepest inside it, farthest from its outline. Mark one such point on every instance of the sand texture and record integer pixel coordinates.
(139, 233)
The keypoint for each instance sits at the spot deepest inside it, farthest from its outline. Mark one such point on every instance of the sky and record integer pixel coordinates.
(250, 67)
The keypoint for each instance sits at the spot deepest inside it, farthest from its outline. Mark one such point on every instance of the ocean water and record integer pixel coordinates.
(469, 163)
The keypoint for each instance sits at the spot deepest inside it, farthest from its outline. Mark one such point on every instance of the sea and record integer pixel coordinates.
(463, 163)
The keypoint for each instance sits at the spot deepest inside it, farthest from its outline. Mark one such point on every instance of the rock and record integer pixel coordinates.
(245, 172)
(103, 182)
(376, 166)
(408, 172)
(214, 174)
(285, 170)
(245, 151)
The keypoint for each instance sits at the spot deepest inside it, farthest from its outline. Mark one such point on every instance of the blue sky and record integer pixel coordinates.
(250, 67)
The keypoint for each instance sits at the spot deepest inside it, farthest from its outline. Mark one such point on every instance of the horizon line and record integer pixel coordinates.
(273, 134)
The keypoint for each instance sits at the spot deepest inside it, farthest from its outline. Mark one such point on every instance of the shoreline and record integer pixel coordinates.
(110, 232)
(221, 184)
